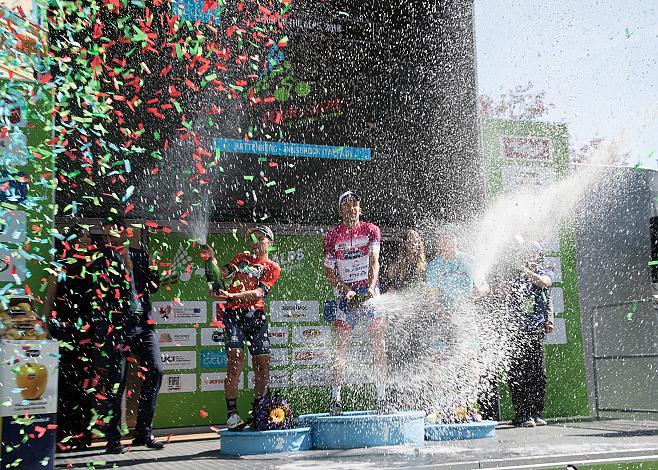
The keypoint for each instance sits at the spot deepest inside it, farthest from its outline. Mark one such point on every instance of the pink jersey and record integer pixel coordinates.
(347, 250)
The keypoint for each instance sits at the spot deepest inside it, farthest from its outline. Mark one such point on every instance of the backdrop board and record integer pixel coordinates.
(193, 348)
(531, 155)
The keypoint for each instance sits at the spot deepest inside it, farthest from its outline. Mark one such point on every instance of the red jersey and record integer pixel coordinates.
(249, 273)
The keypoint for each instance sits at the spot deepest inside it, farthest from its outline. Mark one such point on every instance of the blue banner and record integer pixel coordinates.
(192, 10)
(288, 149)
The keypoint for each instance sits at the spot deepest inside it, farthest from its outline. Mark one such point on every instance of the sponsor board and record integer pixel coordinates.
(214, 382)
(13, 226)
(316, 377)
(278, 379)
(312, 334)
(294, 311)
(213, 359)
(28, 377)
(212, 337)
(527, 148)
(279, 357)
(557, 294)
(178, 360)
(278, 334)
(178, 383)
(188, 311)
(311, 356)
(168, 337)
(559, 334)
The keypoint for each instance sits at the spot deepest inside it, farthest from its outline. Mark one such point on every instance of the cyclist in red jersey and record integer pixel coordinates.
(351, 266)
(251, 278)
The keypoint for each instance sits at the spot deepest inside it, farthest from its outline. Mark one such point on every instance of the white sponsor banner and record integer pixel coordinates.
(294, 311)
(316, 377)
(312, 334)
(311, 356)
(278, 334)
(557, 294)
(178, 383)
(278, 379)
(212, 337)
(279, 357)
(213, 382)
(178, 360)
(188, 311)
(13, 226)
(28, 377)
(176, 336)
(559, 334)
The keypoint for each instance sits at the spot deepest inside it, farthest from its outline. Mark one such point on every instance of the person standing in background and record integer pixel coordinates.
(409, 267)
(69, 308)
(530, 317)
(133, 333)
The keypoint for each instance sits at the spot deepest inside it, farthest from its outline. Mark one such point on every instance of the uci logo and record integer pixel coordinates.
(167, 359)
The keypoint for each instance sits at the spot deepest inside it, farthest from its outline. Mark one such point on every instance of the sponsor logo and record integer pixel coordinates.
(213, 359)
(311, 333)
(33, 353)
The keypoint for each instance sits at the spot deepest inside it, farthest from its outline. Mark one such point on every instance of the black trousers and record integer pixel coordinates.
(139, 340)
(526, 373)
(74, 405)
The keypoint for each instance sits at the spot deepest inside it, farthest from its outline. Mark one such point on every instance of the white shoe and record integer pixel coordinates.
(234, 422)
(528, 423)
(539, 421)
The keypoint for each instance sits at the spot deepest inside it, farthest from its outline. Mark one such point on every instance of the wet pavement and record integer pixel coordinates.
(554, 445)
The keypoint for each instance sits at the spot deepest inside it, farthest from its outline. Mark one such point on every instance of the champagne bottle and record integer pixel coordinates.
(214, 276)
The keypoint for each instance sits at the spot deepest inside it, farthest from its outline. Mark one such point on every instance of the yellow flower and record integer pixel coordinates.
(277, 415)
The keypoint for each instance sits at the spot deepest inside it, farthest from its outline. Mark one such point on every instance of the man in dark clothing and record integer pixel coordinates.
(529, 307)
(133, 333)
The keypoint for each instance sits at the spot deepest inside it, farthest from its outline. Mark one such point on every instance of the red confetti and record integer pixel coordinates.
(203, 414)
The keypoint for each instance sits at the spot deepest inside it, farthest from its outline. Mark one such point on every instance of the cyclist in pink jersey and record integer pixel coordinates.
(351, 266)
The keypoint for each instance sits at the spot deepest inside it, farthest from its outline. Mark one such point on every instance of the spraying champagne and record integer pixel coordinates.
(213, 272)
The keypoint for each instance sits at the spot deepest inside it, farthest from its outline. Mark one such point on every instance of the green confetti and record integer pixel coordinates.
(629, 315)
(289, 190)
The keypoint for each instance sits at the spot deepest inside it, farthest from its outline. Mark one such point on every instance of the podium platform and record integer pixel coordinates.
(357, 429)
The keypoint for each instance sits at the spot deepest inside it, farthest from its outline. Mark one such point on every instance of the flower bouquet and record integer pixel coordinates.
(272, 412)
(459, 413)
